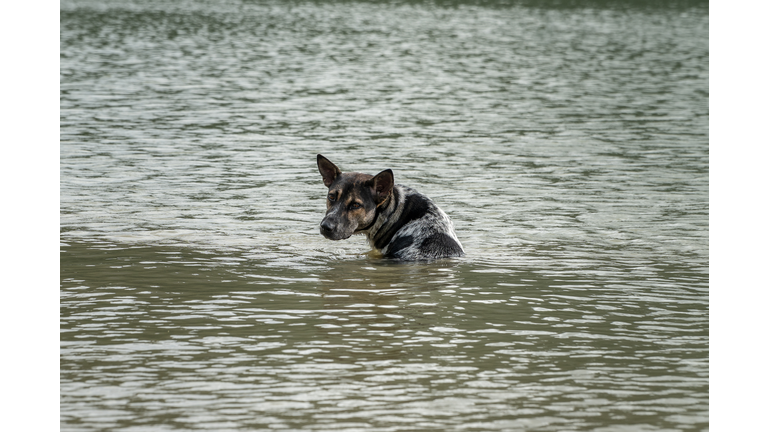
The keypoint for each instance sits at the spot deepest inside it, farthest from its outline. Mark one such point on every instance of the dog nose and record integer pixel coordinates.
(327, 226)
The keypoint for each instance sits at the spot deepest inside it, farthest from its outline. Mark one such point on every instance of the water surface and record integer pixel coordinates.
(569, 146)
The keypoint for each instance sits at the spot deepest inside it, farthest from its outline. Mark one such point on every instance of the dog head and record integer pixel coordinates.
(352, 199)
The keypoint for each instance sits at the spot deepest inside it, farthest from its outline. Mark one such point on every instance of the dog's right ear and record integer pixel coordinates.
(381, 185)
(328, 170)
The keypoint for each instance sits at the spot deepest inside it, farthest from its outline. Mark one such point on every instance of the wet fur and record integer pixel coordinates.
(397, 220)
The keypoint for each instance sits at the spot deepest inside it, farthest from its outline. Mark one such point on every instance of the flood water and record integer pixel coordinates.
(568, 142)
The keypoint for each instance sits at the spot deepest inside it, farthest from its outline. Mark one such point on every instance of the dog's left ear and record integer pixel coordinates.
(328, 170)
(381, 185)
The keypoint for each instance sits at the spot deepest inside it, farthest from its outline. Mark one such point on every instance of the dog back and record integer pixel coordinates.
(412, 227)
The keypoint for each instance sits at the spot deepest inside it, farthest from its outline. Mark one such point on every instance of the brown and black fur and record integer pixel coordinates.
(397, 220)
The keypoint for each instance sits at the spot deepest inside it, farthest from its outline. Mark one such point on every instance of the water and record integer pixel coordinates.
(568, 143)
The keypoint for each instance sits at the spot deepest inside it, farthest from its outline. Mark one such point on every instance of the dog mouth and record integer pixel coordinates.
(334, 235)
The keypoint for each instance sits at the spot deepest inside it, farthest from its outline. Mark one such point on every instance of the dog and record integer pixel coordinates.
(398, 221)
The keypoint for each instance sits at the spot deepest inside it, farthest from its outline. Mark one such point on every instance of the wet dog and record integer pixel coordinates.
(397, 220)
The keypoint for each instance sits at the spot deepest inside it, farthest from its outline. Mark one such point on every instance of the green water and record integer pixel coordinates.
(569, 144)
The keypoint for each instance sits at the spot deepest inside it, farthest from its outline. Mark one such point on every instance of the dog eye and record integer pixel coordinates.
(355, 206)
(331, 197)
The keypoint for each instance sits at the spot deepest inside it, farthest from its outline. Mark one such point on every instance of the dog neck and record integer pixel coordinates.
(382, 222)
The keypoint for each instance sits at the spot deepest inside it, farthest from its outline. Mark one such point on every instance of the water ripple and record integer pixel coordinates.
(568, 144)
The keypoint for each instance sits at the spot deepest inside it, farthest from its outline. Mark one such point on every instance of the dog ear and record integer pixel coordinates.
(328, 170)
(381, 185)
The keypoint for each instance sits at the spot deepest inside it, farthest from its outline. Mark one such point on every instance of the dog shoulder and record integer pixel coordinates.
(423, 231)
(408, 207)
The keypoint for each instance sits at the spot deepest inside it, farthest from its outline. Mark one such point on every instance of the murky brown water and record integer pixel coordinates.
(569, 146)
